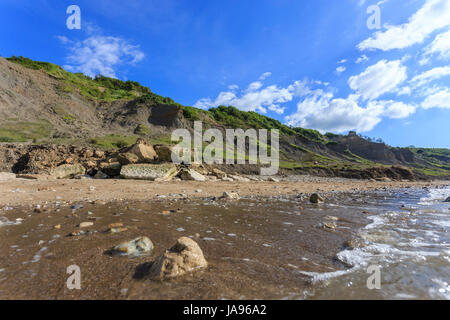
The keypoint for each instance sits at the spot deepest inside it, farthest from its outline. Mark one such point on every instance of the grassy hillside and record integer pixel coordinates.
(300, 149)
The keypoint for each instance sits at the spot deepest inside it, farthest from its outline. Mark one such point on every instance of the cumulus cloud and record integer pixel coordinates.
(434, 15)
(440, 99)
(264, 76)
(380, 78)
(100, 55)
(440, 47)
(321, 111)
(257, 97)
(394, 109)
(430, 75)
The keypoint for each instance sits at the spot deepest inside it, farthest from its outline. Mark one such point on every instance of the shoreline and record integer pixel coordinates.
(25, 192)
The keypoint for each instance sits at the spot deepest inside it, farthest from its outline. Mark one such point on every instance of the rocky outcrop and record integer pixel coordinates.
(152, 172)
(184, 257)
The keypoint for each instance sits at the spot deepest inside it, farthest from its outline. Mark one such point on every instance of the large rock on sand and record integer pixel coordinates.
(145, 153)
(184, 257)
(153, 172)
(191, 175)
(315, 198)
(164, 152)
(67, 171)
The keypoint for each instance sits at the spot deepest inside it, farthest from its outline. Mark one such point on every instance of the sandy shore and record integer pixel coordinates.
(19, 192)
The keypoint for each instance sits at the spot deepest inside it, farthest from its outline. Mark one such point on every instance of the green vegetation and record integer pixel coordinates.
(142, 130)
(24, 131)
(113, 141)
(101, 88)
(66, 116)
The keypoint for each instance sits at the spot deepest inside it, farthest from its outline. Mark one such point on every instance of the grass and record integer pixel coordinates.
(24, 131)
(142, 130)
(66, 116)
(113, 141)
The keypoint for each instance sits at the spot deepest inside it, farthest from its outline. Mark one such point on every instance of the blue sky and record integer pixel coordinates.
(311, 63)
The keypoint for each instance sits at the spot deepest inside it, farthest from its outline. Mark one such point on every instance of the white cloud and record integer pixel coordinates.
(440, 99)
(363, 58)
(430, 75)
(378, 79)
(434, 15)
(100, 55)
(342, 61)
(264, 76)
(394, 109)
(439, 46)
(323, 112)
(340, 69)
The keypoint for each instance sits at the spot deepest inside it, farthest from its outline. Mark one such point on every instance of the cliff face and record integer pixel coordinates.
(42, 103)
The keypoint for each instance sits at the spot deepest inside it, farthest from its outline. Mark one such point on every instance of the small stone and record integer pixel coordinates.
(136, 246)
(99, 154)
(117, 230)
(86, 224)
(115, 225)
(230, 196)
(58, 226)
(315, 198)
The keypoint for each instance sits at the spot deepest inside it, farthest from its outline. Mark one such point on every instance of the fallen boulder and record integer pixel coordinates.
(184, 257)
(113, 169)
(152, 172)
(145, 153)
(127, 158)
(164, 152)
(191, 175)
(67, 171)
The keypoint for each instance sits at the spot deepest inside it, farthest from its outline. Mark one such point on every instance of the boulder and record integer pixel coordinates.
(127, 158)
(191, 175)
(315, 198)
(99, 154)
(100, 175)
(239, 178)
(164, 152)
(113, 170)
(218, 173)
(145, 153)
(136, 246)
(153, 172)
(184, 257)
(230, 196)
(6, 176)
(67, 171)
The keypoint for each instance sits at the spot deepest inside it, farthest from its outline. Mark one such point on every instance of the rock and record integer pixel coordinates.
(153, 172)
(58, 226)
(315, 198)
(184, 257)
(230, 196)
(6, 176)
(113, 170)
(101, 175)
(91, 164)
(88, 154)
(328, 225)
(219, 173)
(239, 178)
(164, 152)
(191, 175)
(69, 160)
(115, 225)
(447, 200)
(67, 171)
(86, 224)
(99, 154)
(103, 165)
(145, 153)
(127, 158)
(272, 179)
(117, 230)
(136, 246)
(227, 179)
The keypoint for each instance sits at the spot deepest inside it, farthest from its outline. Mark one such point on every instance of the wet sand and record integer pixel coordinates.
(257, 247)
